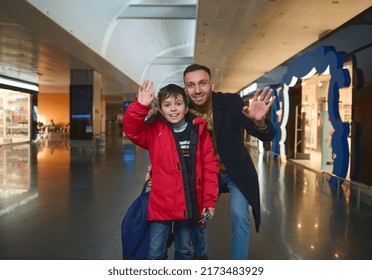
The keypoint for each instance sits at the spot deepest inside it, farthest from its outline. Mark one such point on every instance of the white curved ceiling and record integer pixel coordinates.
(128, 41)
(137, 37)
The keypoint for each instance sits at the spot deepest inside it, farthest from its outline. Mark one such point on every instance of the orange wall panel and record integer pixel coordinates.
(54, 106)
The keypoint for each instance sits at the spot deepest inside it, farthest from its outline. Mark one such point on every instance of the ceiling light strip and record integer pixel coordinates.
(159, 12)
(19, 84)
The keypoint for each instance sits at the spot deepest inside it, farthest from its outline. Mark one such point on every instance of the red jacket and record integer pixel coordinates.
(169, 194)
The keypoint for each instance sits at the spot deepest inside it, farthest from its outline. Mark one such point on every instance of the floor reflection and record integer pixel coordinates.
(62, 199)
(310, 218)
(15, 177)
(48, 147)
(19, 172)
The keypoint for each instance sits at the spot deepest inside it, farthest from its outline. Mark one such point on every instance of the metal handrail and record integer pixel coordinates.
(358, 184)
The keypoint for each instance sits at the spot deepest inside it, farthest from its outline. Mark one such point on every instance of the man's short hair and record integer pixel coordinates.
(195, 67)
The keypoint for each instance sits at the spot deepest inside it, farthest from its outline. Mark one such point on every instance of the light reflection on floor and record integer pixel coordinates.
(67, 201)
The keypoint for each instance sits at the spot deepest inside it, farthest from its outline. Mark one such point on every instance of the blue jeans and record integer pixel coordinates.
(199, 240)
(240, 221)
(159, 232)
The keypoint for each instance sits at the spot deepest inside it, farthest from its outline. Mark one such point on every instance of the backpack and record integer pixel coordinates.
(135, 229)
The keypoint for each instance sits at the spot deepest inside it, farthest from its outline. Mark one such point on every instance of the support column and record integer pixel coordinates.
(97, 101)
(85, 104)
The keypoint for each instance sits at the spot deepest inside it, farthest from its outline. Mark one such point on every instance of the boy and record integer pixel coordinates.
(184, 167)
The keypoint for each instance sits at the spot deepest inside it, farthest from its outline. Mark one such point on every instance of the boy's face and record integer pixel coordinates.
(174, 109)
(198, 86)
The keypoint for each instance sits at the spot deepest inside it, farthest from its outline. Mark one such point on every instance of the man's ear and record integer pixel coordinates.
(212, 85)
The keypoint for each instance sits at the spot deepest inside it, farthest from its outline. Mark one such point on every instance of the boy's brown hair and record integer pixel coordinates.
(171, 90)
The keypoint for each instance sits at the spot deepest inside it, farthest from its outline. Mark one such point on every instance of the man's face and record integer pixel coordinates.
(198, 86)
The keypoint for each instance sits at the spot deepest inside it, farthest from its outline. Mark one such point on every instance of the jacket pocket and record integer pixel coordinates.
(163, 200)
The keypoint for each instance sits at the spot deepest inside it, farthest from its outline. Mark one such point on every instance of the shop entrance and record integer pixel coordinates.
(303, 133)
(15, 123)
(313, 128)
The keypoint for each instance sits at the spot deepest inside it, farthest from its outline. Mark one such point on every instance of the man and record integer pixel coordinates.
(227, 115)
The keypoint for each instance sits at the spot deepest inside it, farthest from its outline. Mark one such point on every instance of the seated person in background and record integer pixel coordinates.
(52, 126)
(40, 130)
(67, 128)
(40, 127)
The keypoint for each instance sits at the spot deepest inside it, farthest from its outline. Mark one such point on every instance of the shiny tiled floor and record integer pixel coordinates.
(62, 200)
